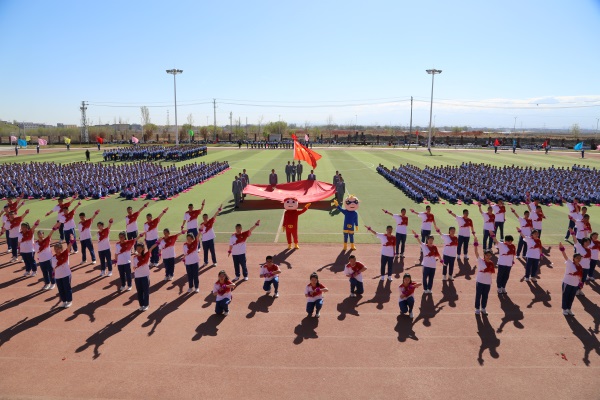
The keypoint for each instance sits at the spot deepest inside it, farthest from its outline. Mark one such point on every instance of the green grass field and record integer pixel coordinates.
(357, 165)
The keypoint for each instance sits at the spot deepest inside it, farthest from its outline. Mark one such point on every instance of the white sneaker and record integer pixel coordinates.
(526, 279)
(533, 279)
(129, 289)
(141, 309)
(382, 278)
(145, 308)
(64, 304)
(237, 278)
(46, 287)
(75, 252)
(34, 273)
(68, 304)
(171, 277)
(318, 314)
(94, 262)
(352, 295)
(245, 278)
(565, 312)
(26, 273)
(276, 294)
(570, 312)
(166, 278)
(466, 257)
(197, 290)
(190, 290)
(109, 273)
(226, 313)
(390, 278)
(215, 264)
(444, 277)
(483, 311)
(591, 278)
(411, 315)
(102, 273)
(450, 278)
(477, 312)
(579, 292)
(52, 286)
(401, 255)
(122, 288)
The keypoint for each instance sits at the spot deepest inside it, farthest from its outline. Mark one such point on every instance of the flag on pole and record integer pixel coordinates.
(578, 146)
(28, 138)
(304, 154)
(545, 144)
(134, 140)
(191, 133)
(306, 137)
(417, 133)
(13, 139)
(42, 142)
(67, 140)
(22, 143)
(99, 140)
(496, 143)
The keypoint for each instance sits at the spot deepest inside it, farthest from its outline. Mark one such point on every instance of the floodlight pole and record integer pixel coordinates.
(431, 72)
(174, 72)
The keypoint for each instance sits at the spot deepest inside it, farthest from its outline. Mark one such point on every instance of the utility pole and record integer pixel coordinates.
(230, 122)
(84, 130)
(410, 129)
(215, 118)
(246, 128)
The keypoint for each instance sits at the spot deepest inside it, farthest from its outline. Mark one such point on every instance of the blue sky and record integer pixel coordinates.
(534, 60)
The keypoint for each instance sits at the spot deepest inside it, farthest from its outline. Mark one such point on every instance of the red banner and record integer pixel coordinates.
(305, 191)
(303, 153)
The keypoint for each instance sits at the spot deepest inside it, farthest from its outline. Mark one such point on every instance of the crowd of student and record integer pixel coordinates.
(471, 182)
(47, 180)
(135, 257)
(155, 153)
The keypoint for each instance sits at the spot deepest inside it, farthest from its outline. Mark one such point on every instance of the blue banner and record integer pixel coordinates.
(578, 146)
(22, 143)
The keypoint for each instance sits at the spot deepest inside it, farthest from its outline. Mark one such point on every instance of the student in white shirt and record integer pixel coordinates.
(534, 253)
(353, 270)
(583, 248)
(401, 230)
(123, 256)
(85, 236)
(26, 247)
(104, 253)
(573, 212)
(489, 224)
(192, 262)
(465, 229)
(500, 212)
(506, 259)
(270, 272)
(449, 253)
(141, 272)
(485, 269)
(571, 281)
(62, 272)
(222, 290)
(151, 234)
(237, 249)
(430, 256)
(207, 232)
(190, 220)
(427, 220)
(407, 298)
(595, 248)
(66, 217)
(314, 295)
(131, 226)
(388, 242)
(44, 254)
(167, 246)
(526, 227)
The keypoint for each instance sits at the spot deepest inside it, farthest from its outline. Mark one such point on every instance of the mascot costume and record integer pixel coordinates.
(350, 219)
(290, 220)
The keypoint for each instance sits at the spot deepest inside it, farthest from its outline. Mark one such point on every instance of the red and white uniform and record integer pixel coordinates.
(465, 226)
(388, 243)
(526, 225)
(190, 253)
(537, 216)
(595, 248)
(167, 246)
(206, 230)
(191, 219)
(151, 229)
(314, 293)
(131, 222)
(584, 229)
(506, 255)
(485, 269)
(67, 219)
(426, 220)
(5, 222)
(14, 227)
(238, 243)
(222, 291)
(407, 291)
(401, 223)
(450, 245)
(267, 271)
(586, 255)
(103, 241)
(26, 241)
(60, 263)
(500, 212)
(84, 229)
(348, 269)
(42, 248)
(123, 251)
(573, 273)
(488, 221)
(141, 265)
(573, 213)
(430, 253)
(534, 248)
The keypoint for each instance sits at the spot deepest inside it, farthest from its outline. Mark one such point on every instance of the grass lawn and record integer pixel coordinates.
(357, 165)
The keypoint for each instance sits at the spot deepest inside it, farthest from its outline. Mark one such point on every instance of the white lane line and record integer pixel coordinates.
(278, 227)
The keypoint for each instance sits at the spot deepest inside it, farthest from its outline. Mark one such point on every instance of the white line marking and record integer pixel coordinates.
(280, 224)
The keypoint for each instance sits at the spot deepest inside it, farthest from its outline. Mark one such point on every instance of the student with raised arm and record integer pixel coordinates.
(595, 248)
(237, 248)
(141, 273)
(222, 290)
(44, 254)
(151, 234)
(537, 214)
(506, 259)
(407, 298)
(270, 272)
(534, 253)
(14, 228)
(388, 242)
(430, 256)
(525, 227)
(353, 270)
(583, 228)
(489, 224)
(208, 236)
(190, 220)
(57, 209)
(104, 247)
(62, 272)
(449, 253)
(500, 212)
(123, 260)
(131, 227)
(485, 269)
(85, 237)
(573, 213)
(427, 220)
(314, 295)
(583, 248)
(465, 229)
(191, 261)
(26, 247)
(401, 230)
(166, 244)
(572, 280)
(66, 218)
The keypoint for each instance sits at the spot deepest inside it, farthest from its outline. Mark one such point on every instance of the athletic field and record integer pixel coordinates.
(104, 348)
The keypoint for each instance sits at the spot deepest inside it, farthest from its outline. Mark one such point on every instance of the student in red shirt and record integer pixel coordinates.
(314, 295)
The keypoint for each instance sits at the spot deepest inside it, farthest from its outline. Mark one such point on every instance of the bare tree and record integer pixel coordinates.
(190, 121)
(260, 120)
(330, 125)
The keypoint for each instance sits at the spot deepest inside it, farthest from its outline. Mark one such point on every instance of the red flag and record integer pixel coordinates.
(545, 144)
(497, 143)
(417, 133)
(304, 154)
(100, 140)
